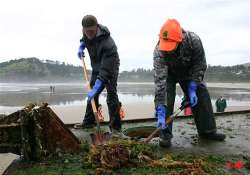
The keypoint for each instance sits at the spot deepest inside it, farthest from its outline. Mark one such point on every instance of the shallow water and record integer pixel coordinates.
(14, 96)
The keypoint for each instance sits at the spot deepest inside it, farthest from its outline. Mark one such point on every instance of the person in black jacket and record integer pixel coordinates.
(105, 64)
(179, 57)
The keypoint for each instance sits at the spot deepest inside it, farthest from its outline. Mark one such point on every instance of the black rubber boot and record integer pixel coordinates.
(213, 136)
(89, 118)
(203, 112)
(114, 109)
(165, 138)
(86, 124)
(115, 120)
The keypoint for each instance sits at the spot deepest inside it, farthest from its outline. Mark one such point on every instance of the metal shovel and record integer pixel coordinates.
(98, 138)
(168, 120)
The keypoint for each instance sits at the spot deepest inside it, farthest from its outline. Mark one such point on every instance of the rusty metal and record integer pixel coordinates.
(56, 134)
(34, 131)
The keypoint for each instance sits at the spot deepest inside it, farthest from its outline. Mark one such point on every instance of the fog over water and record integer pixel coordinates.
(14, 96)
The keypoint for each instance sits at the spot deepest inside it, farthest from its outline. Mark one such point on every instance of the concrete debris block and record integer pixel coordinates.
(6, 161)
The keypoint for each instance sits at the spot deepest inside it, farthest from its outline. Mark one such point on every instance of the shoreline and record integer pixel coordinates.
(241, 85)
(75, 114)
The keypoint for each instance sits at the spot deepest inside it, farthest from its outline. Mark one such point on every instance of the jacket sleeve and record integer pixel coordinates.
(199, 65)
(160, 77)
(110, 60)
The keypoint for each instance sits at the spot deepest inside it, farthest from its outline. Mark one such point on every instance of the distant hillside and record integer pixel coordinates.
(246, 64)
(237, 73)
(33, 69)
(140, 75)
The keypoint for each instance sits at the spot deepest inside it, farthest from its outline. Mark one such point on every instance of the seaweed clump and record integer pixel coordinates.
(118, 154)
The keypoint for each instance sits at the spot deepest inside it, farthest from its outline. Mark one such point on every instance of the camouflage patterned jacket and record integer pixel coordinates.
(188, 62)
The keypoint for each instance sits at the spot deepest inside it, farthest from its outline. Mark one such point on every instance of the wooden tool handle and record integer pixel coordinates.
(168, 120)
(89, 88)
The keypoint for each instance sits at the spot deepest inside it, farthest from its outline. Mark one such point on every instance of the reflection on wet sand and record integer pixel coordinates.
(69, 100)
(66, 95)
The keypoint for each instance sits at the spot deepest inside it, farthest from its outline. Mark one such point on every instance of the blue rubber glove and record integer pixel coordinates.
(81, 48)
(161, 116)
(96, 89)
(192, 87)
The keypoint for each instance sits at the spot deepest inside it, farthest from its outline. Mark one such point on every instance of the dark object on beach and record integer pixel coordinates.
(140, 132)
(35, 132)
(149, 132)
(221, 104)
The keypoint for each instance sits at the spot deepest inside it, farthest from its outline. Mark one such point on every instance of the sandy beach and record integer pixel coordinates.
(75, 114)
(69, 100)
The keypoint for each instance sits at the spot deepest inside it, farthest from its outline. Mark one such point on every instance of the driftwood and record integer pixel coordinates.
(34, 132)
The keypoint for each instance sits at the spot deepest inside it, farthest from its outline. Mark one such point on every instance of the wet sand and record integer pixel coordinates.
(236, 128)
(74, 114)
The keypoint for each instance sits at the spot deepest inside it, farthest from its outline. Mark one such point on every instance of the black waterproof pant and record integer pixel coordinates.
(112, 102)
(202, 112)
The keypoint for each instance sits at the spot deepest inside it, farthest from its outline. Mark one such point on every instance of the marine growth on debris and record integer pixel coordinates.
(118, 153)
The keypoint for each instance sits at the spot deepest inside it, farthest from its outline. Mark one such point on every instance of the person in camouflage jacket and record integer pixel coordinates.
(105, 64)
(179, 57)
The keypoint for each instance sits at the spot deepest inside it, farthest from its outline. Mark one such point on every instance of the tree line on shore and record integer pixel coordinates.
(34, 69)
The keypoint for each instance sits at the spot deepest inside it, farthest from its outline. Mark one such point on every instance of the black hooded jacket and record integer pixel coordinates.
(103, 54)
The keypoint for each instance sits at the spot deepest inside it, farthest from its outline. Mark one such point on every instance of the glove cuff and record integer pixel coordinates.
(192, 86)
(98, 84)
(161, 110)
(161, 106)
(82, 45)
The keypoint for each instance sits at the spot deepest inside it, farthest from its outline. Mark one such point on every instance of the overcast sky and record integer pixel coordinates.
(51, 29)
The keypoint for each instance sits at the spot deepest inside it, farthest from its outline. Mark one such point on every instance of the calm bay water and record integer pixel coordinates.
(14, 96)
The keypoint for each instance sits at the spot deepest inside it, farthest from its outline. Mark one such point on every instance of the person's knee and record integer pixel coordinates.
(112, 98)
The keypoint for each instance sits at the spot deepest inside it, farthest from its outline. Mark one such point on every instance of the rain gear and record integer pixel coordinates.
(105, 64)
(187, 63)
(221, 105)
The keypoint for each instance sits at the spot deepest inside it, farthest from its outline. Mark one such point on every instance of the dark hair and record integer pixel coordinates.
(89, 21)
